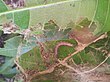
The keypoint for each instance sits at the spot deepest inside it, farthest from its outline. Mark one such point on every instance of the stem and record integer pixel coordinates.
(50, 70)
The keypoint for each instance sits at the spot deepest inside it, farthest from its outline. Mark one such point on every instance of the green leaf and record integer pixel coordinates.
(32, 60)
(10, 72)
(3, 7)
(63, 12)
(9, 63)
(40, 2)
(22, 19)
(3, 20)
(102, 15)
(11, 48)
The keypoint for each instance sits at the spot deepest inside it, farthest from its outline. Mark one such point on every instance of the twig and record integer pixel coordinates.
(69, 56)
(66, 65)
(20, 68)
(73, 62)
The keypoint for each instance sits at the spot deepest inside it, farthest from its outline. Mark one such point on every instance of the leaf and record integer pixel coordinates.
(62, 12)
(41, 2)
(32, 60)
(102, 15)
(3, 7)
(51, 32)
(7, 68)
(22, 19)
(9, 63)
(12, 45)
(10, 72)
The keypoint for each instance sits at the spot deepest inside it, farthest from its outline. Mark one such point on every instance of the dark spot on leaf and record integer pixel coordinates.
(30, 54)
(14, 66)
(73, 5)
(2, 42)
(2, 59)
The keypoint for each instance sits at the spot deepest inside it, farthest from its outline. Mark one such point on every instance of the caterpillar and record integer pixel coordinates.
(61, 44)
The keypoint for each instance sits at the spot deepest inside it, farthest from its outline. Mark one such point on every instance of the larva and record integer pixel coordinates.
(61, 44)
